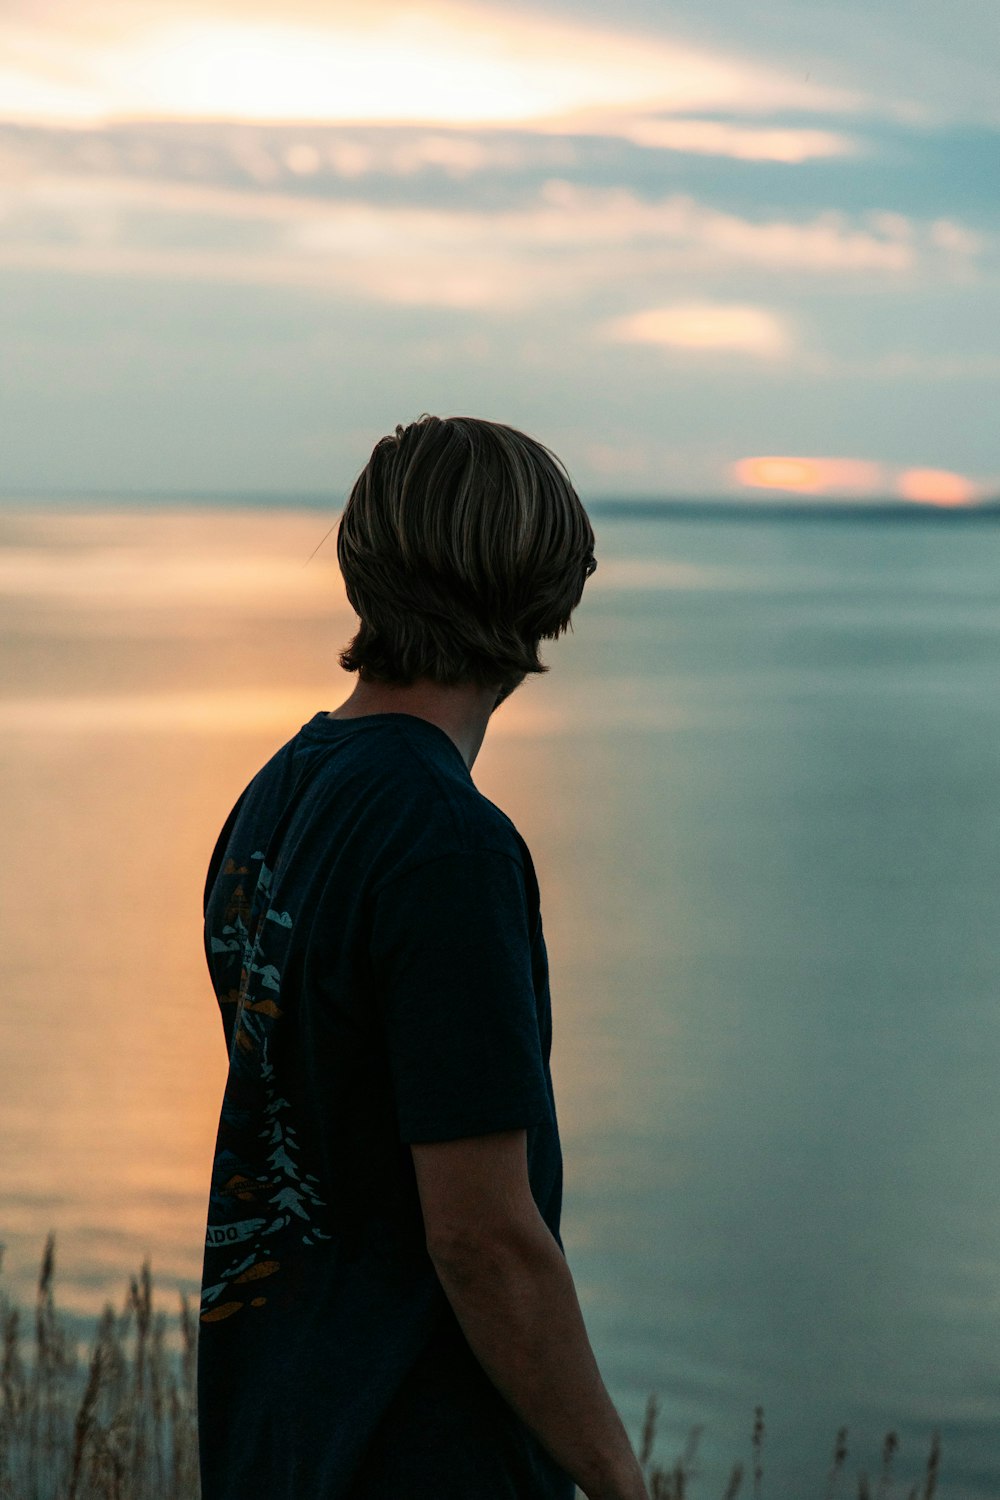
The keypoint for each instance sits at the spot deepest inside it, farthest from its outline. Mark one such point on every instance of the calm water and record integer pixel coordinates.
(760, 784)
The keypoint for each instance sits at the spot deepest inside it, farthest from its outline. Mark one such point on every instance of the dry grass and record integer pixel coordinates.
(673, 1483)
(115, 1423)
(119, 1422)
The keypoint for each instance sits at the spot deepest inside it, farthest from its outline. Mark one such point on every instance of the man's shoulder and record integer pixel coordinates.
(440, 816)
(437, 810)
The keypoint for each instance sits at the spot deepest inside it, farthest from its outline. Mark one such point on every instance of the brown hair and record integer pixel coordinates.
(463, 545)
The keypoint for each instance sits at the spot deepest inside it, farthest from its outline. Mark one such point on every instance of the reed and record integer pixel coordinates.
(673, 1483)
(118, 1421)
(115, 1422)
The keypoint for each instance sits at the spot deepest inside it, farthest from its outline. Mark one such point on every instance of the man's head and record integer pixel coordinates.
(463, 545)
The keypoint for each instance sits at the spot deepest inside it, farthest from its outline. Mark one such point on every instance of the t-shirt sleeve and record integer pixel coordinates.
(451, 954)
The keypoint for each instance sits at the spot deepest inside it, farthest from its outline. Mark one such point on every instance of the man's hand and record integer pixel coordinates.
(513, 1295)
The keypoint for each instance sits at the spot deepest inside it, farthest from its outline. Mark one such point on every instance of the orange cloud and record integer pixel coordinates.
(936, 487)
(743, 142)
(709, 326)
(809, 476)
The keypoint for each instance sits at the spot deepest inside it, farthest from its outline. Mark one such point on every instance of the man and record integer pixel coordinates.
(387, 1313)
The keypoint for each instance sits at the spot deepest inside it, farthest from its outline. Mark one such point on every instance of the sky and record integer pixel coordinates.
(699, 248)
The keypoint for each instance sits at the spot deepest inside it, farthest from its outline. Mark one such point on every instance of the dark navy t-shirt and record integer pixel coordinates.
(373, 934)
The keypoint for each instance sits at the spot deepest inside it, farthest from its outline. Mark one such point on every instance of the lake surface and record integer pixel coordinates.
(760, 784)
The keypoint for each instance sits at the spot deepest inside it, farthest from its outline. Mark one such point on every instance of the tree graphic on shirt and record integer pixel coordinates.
(282, 1198)
(292, 1192)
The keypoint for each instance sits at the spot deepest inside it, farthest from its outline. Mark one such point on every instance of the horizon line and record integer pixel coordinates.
(672, 503)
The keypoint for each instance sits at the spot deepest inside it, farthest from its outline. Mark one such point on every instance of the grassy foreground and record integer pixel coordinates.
(119, 1423)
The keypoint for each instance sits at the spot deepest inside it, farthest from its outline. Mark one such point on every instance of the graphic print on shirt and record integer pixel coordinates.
(262, 1200)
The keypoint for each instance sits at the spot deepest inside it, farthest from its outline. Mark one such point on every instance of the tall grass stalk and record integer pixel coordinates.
(672, 1483)
(118, 1422)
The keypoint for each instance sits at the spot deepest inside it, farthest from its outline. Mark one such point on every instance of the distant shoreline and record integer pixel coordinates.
(626, 508)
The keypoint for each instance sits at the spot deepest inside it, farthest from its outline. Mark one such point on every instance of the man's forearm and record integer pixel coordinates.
(515, 1300)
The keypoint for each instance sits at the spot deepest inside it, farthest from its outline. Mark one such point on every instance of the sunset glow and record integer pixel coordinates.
(936, 487)
(704, 326)
(445, 63)
(808, 475)
(213, 209)
(742, 142)
(408, 70)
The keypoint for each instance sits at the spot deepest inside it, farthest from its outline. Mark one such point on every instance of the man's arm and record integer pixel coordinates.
(513, 1295)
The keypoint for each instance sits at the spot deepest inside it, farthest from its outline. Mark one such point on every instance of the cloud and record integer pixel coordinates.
(859, 476)
(267, 205)
(937, 487)
(810, 476)
(441, 62)
(705, 326)
(955, 239)
(319, 160)
(739, 140)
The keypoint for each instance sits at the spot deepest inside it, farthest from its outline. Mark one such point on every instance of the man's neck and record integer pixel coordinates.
(462, 711)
